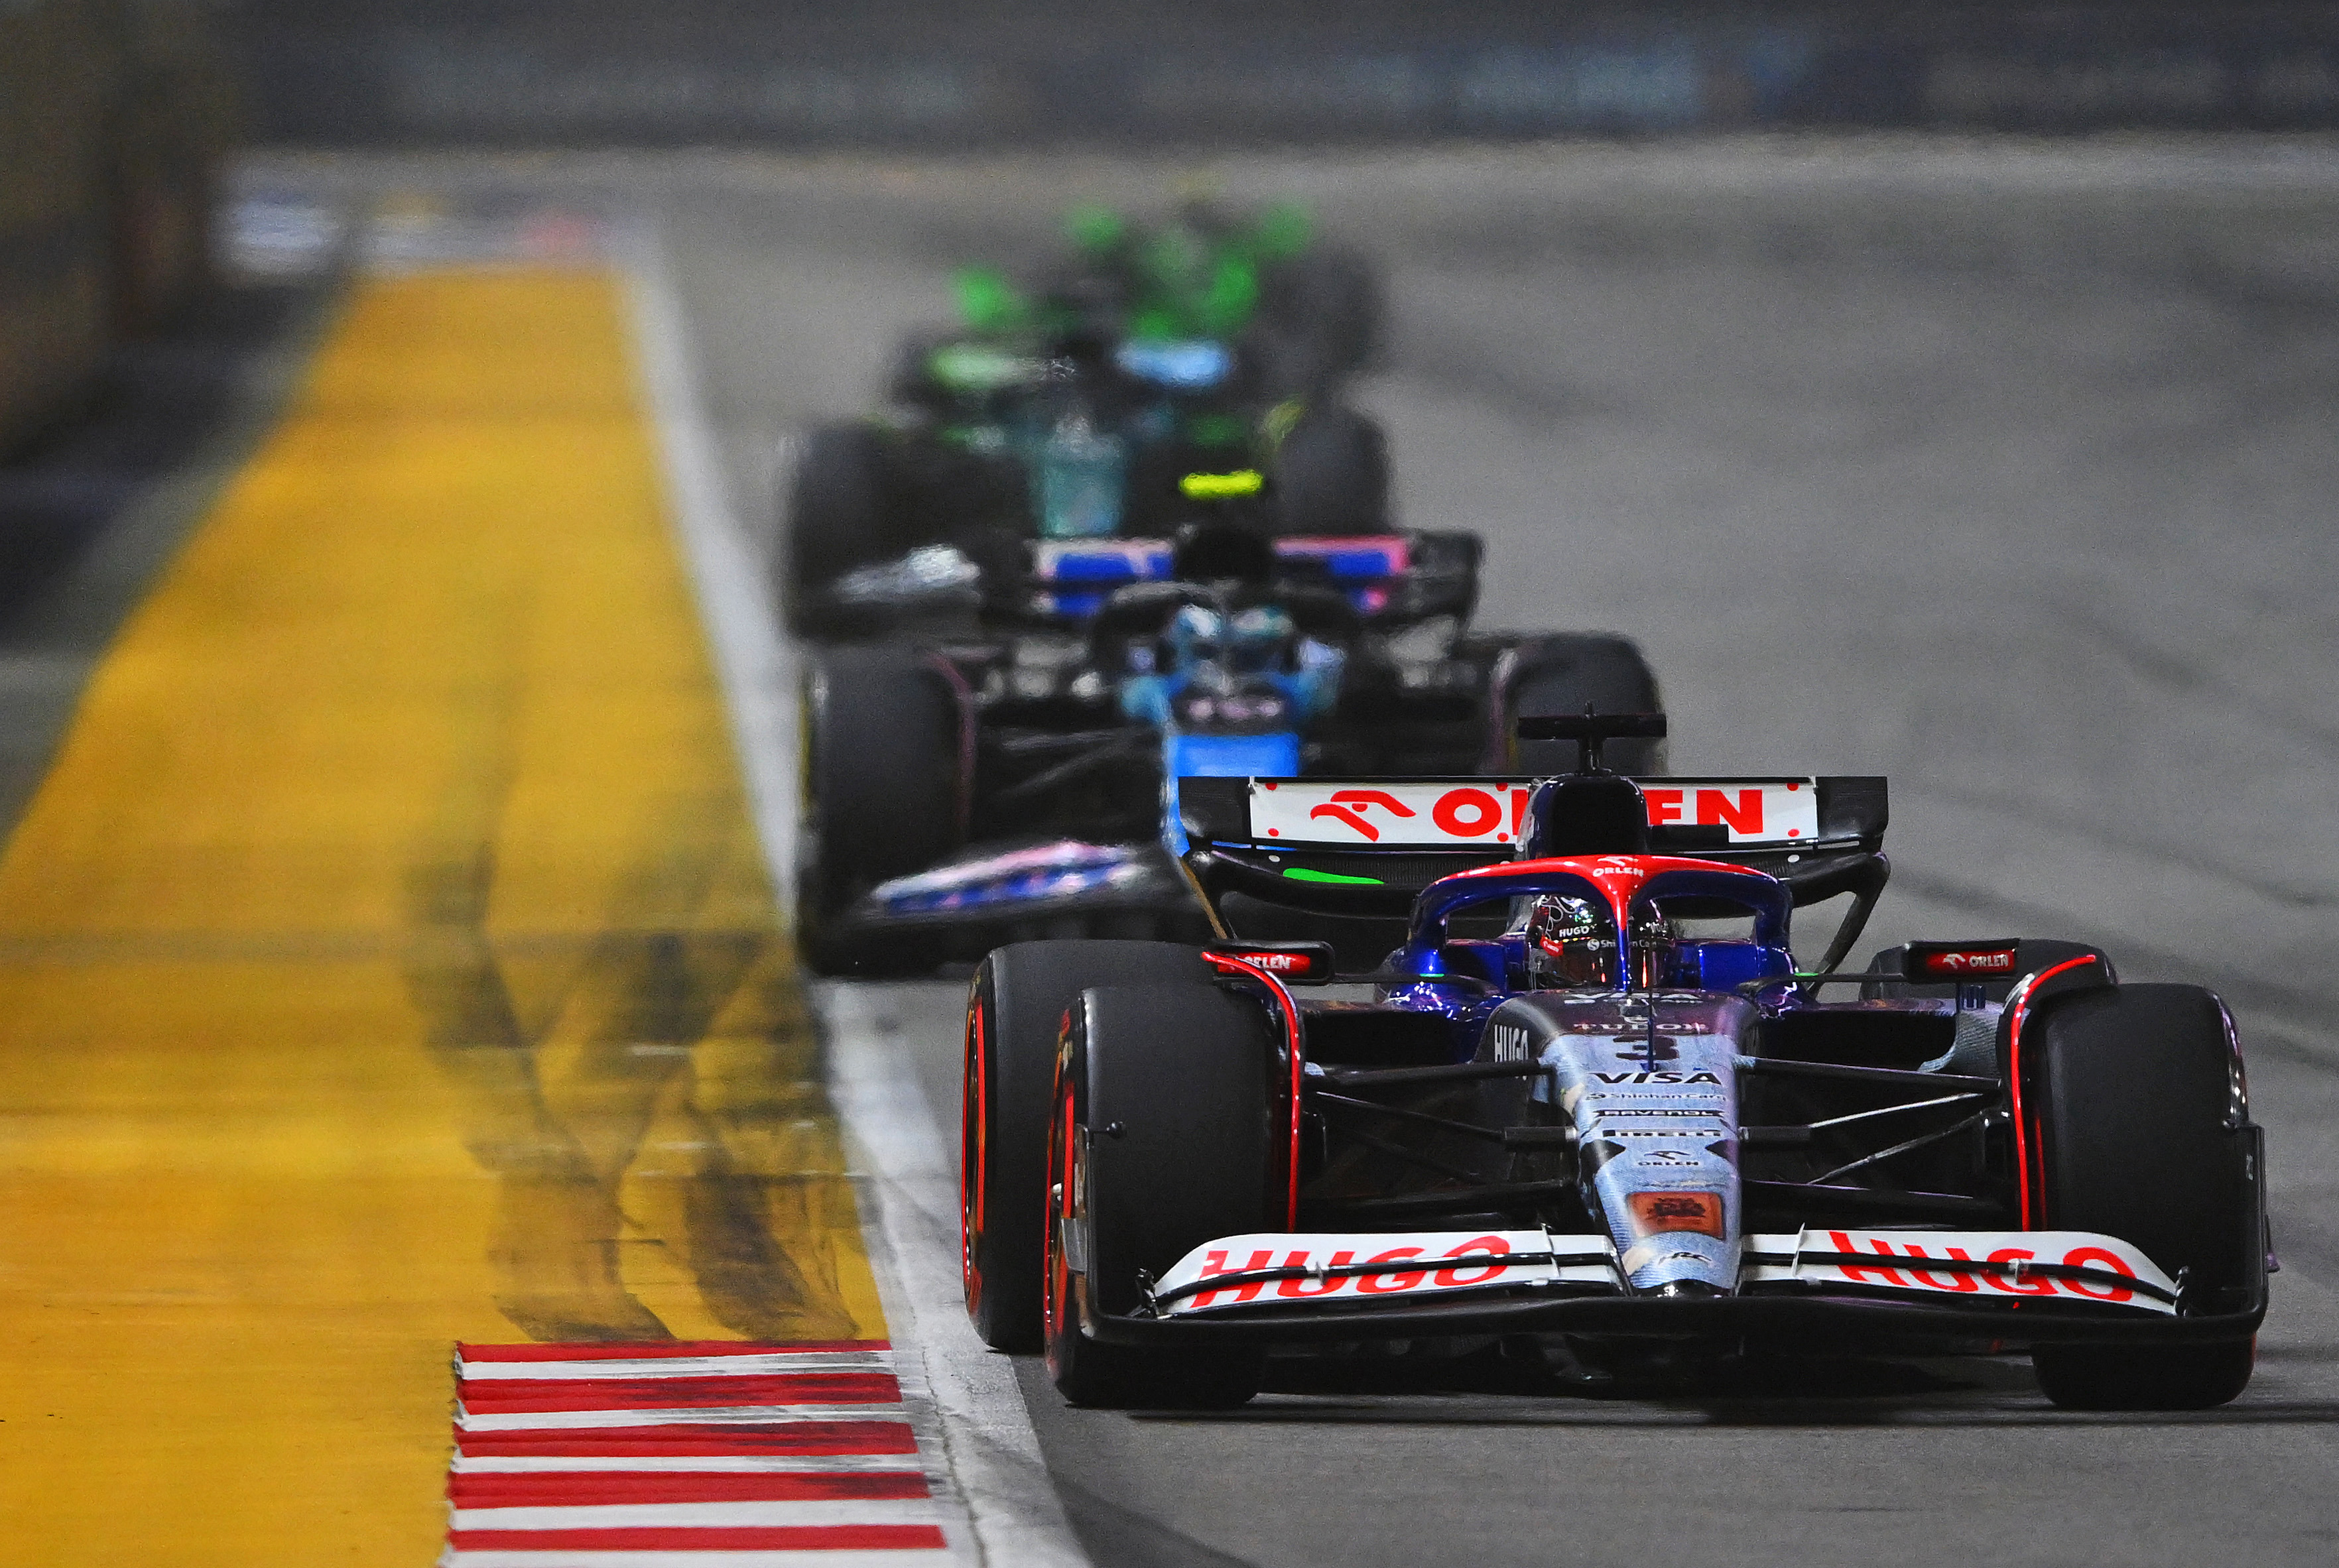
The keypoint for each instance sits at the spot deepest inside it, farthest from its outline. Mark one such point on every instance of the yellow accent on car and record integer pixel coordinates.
(1281, 420)
(1218, 487)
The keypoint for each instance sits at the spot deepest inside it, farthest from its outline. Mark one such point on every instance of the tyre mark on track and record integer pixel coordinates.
(2090, 831)
(1128, 1539)
(641, 1086)
(2175, 674)
(650, 1000)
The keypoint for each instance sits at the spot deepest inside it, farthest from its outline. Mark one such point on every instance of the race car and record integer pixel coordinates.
(1594, 1104)
(1086, 412)
(1011, 773)
(1307, 309)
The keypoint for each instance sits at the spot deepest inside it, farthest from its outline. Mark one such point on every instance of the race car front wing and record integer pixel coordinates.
(2017, 1287)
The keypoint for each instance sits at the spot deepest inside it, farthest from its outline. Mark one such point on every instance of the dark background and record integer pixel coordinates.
(915, 73)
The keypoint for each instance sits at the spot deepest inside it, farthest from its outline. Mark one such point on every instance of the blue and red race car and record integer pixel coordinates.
(1593, 1101)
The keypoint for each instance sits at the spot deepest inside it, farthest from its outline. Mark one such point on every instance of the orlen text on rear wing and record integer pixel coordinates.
(1367, 846)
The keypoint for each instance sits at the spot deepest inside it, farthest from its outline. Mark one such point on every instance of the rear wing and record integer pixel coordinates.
(1367, 847)
(1399, 576)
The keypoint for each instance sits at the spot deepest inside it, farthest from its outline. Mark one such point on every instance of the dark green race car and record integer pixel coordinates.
(1089, 403)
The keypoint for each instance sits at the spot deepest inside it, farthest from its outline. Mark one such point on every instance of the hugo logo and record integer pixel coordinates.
(1509, 1041)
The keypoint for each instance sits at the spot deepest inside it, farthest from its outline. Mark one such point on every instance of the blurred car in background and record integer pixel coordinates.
(1307, 310)
(1081, 406)
(1012, 772)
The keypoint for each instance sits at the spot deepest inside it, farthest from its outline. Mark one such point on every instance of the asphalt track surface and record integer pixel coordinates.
(2006, 470)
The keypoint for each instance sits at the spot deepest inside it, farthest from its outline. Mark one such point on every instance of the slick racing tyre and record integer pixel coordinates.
(1158, 1142)
(1321, 312)
(2137, 1103)
(1015, 1015)
(911, 382)
(1332, 475)
(842, 513)
(1563, 673)
(883, 772)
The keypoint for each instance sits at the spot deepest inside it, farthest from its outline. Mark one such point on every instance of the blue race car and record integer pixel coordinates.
(1594, 1106)
(1012, 772)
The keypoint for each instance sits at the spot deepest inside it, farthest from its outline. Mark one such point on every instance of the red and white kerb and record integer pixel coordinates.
(660, 1454)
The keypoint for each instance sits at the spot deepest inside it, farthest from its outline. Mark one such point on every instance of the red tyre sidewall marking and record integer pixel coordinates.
(2030, 1141)
(1056, 1283)
(1228, 964)
(974, 1140)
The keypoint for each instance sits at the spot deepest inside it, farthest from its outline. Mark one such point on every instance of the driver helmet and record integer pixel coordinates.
(1196, 637)
(1258, 638)
(1572, 941)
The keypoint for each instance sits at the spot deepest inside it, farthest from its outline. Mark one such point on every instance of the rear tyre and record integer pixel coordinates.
(842, 513)
(1014, 1018)
(2136, 1090)
(1158, 1142)
(1332, 475)
(911, 382)
(1323, 311)
(883, 773)
(1564, 673)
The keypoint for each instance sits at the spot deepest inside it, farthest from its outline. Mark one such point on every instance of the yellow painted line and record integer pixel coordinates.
(387, 961)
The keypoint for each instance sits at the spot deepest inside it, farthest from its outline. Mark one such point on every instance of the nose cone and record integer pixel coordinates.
(1687, 1290)
(1652, 1084)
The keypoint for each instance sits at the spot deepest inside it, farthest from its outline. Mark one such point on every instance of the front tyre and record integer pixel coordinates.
(842, 511)
(1014, 1016)
(883, 772)
(2142, 1122)
(2144, 1377)
(1157, 1142)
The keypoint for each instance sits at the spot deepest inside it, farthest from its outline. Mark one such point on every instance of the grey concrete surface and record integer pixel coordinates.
(2006, 469)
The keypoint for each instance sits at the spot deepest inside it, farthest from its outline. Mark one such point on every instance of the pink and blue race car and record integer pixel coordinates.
(1005, 760)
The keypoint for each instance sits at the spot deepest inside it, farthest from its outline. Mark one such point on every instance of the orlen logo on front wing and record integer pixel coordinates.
(1950, 963)
(1491, 813)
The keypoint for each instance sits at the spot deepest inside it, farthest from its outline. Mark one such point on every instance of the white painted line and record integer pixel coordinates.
(502, 1557)
(1007, 1481)
(752, 662)
(701, 1515)
(680, 1367)
(712, 1414)
(985, 1433)
(687, 1465)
